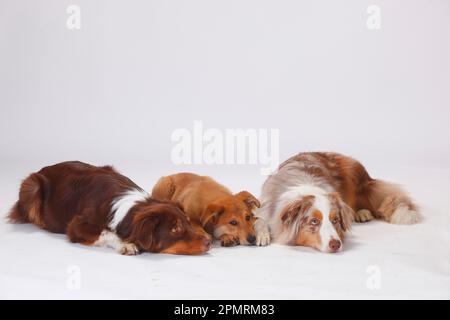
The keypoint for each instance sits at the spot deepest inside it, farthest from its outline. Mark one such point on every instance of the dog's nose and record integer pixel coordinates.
(207, 243)
(251, 239)
(334, 245)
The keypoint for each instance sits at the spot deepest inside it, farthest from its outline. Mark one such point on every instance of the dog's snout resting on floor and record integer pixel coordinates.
(227, 216)
(314, 197)
(97, 206)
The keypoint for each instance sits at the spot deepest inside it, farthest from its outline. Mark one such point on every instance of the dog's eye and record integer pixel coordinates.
(176, 229)
(335, 220)
(315, 221)
(233, 222)
(248, 217)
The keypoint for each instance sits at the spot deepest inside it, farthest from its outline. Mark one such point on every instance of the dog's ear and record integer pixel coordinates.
(346, 214)
(250, 200)
(143, 230)
(211, 215)
(297, 209)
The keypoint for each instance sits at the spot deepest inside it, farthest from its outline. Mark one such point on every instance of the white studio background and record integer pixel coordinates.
(113, 91)
(137, 70)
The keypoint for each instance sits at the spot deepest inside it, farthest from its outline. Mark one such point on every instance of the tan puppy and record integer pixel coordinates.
(228, 217)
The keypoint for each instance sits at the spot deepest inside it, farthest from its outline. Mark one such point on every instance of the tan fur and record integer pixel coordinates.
(308, 239)
(211, 204)
(308, 234)
(317, 214)
(165, 190)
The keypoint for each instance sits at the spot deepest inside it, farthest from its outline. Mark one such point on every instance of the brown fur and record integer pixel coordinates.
(212, 205)
(76, 198)
(296, 209)
(355, 186)
(349, 190)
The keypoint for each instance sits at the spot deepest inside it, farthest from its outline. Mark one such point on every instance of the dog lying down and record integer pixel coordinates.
(225, 216)
(97, 206)
(314, 197)
(310, 201)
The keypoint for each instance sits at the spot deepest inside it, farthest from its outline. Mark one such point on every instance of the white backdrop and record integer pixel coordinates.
(136, 70)
(114, 91)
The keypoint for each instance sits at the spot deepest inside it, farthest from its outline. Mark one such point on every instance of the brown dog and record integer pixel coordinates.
(226, 216)
(98, 206)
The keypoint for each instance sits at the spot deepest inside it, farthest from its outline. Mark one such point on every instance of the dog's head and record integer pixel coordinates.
(164, 228)
(231, 219)
(317, 221)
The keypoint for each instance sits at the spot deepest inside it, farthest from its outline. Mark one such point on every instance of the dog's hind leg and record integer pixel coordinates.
(389, 202)
(398, 210)
(163, 189)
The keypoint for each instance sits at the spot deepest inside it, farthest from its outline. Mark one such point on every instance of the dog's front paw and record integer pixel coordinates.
(263, 238)
(128, 249)
(229, 241)
(262, 233)
(363, 215)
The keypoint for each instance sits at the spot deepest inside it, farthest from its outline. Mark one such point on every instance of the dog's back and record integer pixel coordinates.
(50, 197)
(191, 191)
(334, 172)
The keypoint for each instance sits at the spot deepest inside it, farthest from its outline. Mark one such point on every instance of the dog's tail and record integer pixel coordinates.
(28, 209)
(388, 201)
(164, 189)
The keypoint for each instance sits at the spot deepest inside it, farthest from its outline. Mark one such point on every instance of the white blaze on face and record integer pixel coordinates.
(327, 231)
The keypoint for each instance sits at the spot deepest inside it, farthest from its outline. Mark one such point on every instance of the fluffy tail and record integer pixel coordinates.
(163, 189)
(389, 202)
(28, 209)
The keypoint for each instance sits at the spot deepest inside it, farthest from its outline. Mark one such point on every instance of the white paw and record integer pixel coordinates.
(403, 215)
(262, 233)
(262, 238)
(363, 215)
(128, 249)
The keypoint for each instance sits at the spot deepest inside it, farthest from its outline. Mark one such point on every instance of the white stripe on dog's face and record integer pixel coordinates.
(328, 234)
(327, 231)
(303, 231)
